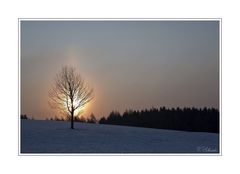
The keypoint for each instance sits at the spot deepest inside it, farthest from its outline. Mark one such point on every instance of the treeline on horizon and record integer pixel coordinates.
(90, 119)
(184, 119)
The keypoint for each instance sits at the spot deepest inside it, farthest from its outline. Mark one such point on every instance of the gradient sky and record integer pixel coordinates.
(130, 64)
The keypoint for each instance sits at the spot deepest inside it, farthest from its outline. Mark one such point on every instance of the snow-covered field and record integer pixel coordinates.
(56, 137)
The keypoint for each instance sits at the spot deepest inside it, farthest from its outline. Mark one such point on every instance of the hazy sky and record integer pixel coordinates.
(130, 64)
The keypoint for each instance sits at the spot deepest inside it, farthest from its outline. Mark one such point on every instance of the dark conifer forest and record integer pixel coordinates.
(185, 119)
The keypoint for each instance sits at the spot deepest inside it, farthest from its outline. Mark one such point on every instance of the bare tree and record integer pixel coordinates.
(69, 93)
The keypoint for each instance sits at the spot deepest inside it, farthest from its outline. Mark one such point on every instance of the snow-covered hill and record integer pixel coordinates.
(56, 137)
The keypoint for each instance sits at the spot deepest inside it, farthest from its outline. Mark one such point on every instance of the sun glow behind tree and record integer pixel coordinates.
(67, 105)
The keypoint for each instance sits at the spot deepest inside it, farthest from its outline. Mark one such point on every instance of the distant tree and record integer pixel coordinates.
(69, 93)
(92, 119)
(114, 117)
(24, 117)
(80, 119)
(58, 119)
(102, 120)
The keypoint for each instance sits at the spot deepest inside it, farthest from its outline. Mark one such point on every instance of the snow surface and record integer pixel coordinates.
(57, 137)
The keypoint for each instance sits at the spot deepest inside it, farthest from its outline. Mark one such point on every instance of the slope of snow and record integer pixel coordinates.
(57, 137)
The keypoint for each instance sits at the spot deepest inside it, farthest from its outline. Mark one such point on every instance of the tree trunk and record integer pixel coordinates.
(72, 113)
